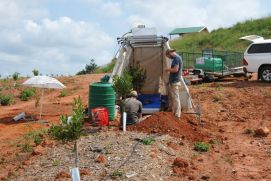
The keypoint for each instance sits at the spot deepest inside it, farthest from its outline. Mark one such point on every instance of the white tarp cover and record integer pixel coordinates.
(150, 59)
(44, 82)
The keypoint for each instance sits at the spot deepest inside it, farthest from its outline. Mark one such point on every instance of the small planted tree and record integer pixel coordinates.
(70, 129)
(138, 75)
(122, 86)
(15, 77)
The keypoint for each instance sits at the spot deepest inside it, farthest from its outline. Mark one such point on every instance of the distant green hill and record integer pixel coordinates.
(224, 38)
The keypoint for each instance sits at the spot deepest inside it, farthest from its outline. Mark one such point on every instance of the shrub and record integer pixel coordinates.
(34, 136)
(148, 141)
(69, 131)
(217, 97)
(26, 94)
(6, 100)
(201, 147)
(38, 139)
(248, 131)
(27, 147)
(117, 173)
(63, 93)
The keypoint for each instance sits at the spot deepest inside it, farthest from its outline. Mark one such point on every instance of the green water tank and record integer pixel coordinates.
(102, 94)
(213, 64)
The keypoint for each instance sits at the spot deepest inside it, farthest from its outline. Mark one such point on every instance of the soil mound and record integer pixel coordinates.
(166, 123)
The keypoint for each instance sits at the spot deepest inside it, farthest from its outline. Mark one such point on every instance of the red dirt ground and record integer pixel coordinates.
(166, 123)
(228, 108)
(11, 132)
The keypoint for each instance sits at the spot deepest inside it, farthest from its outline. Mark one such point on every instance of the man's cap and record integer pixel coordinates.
(170, 50)
(133, 93)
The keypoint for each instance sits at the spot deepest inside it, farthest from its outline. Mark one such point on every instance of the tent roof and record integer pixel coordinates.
(178, 31)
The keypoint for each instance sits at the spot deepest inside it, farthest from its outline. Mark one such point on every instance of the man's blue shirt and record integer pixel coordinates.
(176, 77)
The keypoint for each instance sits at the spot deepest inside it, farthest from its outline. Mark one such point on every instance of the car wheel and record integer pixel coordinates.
(266, 74)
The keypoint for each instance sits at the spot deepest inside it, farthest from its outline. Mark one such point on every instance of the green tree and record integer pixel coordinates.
(15, 76)
(89, 68)
(35, 72)
(122, 86)
(138, 75)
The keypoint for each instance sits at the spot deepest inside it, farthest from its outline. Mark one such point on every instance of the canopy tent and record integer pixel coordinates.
(145, 48)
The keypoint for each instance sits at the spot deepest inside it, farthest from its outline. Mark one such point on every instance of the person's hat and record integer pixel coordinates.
(170, 50)
(133, 93)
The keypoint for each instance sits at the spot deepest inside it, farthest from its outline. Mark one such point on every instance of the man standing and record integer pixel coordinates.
(174, 82)
(133, 108)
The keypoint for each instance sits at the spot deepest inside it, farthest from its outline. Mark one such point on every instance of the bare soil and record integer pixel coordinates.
(229, 108)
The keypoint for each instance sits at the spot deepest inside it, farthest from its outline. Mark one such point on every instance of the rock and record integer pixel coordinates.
(172, 145)
(262, 132)
(131, 174)
(84, 172)
(191, 177)
(39, 150)
(26, 163)
(179, 162)
(205, 177)
(62, 174)
(101, 159)
(47, 143)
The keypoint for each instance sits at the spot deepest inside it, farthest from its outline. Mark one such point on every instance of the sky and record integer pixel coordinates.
(62, 36)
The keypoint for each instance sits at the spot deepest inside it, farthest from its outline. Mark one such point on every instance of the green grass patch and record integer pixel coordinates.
(148, 141)
(201, 147)
(224, 38)
(6, 100)
(26, 147)
(117, 174)
(248, 131)
(26, 94)
(63, 93)
(217, 98)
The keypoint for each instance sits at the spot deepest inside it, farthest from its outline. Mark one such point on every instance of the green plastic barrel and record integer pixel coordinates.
(102, 94)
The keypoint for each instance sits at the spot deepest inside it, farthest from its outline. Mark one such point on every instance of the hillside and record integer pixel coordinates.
(224, 38)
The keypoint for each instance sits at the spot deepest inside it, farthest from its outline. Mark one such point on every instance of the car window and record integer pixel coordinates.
(260, 48)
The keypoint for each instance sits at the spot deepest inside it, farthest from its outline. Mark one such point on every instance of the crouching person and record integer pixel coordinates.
(133, 108)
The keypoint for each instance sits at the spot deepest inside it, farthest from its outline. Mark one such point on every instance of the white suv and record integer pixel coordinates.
(257, 57)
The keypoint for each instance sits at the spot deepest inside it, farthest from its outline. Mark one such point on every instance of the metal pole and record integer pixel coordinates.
(41, 102)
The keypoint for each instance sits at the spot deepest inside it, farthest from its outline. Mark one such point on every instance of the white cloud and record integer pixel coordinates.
(170, 14)
(58, 46)
(111, 9)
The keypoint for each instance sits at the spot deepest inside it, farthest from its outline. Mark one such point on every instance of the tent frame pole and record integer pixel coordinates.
(41, 102)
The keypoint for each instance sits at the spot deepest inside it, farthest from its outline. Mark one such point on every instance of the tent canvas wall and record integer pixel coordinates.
(148, 50)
